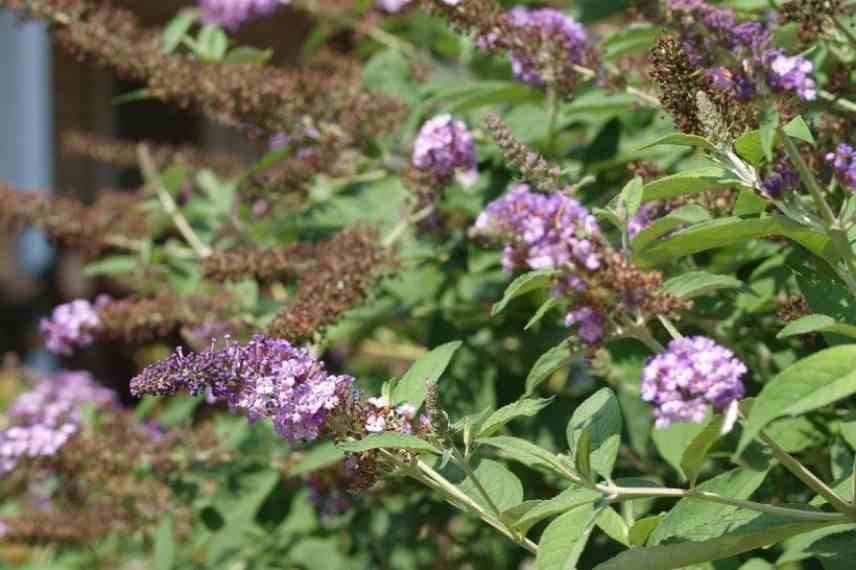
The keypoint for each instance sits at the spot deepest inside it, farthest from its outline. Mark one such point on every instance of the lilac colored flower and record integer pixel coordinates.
(789, 73)
(279, 141)
(549, 22)
(844, 162)
(4, 529)
(231, 14)
(589, 322)
(392, 6)
(541, 231)
(70, 325)
(693, 373)
(643, 218)
(42, 420)
(265, 378)
(445, 147)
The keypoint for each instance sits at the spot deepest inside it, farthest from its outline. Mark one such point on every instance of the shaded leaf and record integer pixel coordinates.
(413, 386)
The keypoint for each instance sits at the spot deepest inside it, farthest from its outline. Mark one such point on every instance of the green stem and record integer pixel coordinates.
(465, 465)
(845, 31)
(845, 104)
(802, 473)
(552, 119)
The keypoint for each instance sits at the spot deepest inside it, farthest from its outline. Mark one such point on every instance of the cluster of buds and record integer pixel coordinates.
(555, 232)
(843, 161)
(531, 165)
(264, 265)
(812, 16)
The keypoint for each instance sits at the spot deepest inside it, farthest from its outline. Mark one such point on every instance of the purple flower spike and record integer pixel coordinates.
(549, 23)
(692, 373)
(590, 324)
(231, 14)
(265, 378)
(541, 231)
(42, 420)
(445, 146)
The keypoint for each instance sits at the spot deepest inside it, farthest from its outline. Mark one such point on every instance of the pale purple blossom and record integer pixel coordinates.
(70, 325)
(843, 160)
(392, 6)
(781, 178)
(643, 218)
(789, 74)
(445, 147)
(231, 14)
(42, 420)
(589, 324)
(265, 378)
(692, 374)
(541, 231)
(549, 23)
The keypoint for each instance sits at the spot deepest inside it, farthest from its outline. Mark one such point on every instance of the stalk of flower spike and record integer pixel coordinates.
(236, 94)
(347, 269)
(531, 165)
(111, 222)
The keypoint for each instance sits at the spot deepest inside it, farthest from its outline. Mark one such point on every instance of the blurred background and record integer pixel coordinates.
(48, 100)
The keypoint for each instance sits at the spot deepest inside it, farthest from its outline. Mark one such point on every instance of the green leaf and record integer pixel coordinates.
(680, 139)
(749, 203)
(769, 127)
(813, 382)
(388, 440)
(582, 453)
(722, 232)
(764, 531)
(163, 557)
(691, 519)
(631, 197)
(177, 28)
(683, 216)
(748, 145)
(488, 96)
(834, 546)
(503, 487)
(689, 182)
(565, 538)
(547, 364)
(111, 265)
(320, 456)
(179, 410)
(600, 416)
(611, 523)
(526, 407)
(696, 283)
(524, 284)
(248, 54)
(545, 308)
(413, 386)
(635, 37)
(528, 454)
(672, 441)
(696, 452)
(565, 501)
(212, 42)
(816, 324)
(388, 72)
(825, 293)
(642, 529)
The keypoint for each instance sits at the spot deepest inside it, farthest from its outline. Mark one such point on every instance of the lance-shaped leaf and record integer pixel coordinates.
(388, 440)
(413, 386)
(561, 503)
(683, 216)
(600, 417)
(696, 283)
(524, 284)
(526, 407)
(565, 538)
(689, 182)
(816, 324)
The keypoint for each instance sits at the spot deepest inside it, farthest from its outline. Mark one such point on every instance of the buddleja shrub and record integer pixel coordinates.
(507, 286)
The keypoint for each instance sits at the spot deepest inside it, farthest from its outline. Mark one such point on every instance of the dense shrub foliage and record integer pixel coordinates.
(505, 286)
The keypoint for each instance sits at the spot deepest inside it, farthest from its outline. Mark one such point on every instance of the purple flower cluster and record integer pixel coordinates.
(382, 416)
(231, 14)
(265, 378)
(844, 162)
(541, 231)
(589, 323)
(781, 178)
(392, 6)
(749, 42)
(42, 420)
(549, 23)
(692, 373)
(643, 218)
(71, 325)
(789, 74)
(445, 147)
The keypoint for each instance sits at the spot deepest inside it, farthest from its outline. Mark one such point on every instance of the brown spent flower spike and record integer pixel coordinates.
(532, 166)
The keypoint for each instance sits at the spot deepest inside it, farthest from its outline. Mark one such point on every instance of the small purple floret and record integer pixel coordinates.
(445, 146)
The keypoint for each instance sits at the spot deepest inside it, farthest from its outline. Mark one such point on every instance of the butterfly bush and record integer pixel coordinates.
(368, 346)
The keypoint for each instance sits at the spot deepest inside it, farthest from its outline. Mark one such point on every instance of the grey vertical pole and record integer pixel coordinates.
(26, 120)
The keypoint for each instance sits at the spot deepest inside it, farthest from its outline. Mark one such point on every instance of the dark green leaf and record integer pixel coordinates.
(696, 452)
(545, 308)
(528, 454)
(695, 283)
(527, 407)
(680, 139)
(524, 284)
(321, 456)
(565, 538)
(690, 182)
(600, 417)
(561, 503)
(683, 216)
(552, 360)
(642, 529)
(163, 557)
(815, 324)
(672, 441)
(503, 487)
